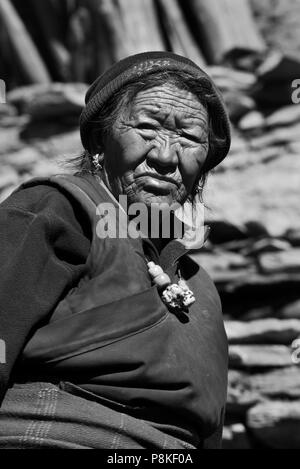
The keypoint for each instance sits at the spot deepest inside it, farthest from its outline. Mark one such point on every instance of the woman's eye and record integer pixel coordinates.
(191, 137)
(146, 126)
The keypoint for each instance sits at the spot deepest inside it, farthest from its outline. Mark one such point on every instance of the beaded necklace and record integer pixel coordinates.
(175, 295)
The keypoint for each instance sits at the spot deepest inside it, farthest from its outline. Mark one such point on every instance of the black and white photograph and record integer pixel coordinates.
(150, 227)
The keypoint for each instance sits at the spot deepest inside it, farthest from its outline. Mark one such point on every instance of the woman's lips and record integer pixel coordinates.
(156, 183)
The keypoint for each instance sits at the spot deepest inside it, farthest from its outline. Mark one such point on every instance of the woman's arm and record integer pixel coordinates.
(43, 249)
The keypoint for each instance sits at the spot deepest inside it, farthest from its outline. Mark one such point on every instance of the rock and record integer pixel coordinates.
(294, 147)
(278, 384)
(283, 261)
(45, 168)
(61, 146)
(240, 395)
(290, 310)
(7, 110)
(24, 159)
(223, 265)
(264, 193)
(9, 140)
(260, 356)
(8, 177)
(21, 96)
(235, 437)
(251, 121)
(60, 99)
(49, 100)
(238, 145)
(238, 104)
(277, 136)
(293, 236)
(223, 231)
(276, 424)
(266, 245)
(284, 116)
(249, 158)
(263, 331)
(229, 78)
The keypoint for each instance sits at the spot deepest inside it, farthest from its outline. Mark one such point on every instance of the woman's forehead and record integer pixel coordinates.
(161, 99)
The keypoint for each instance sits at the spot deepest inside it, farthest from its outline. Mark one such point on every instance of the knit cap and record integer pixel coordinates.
(133, 68)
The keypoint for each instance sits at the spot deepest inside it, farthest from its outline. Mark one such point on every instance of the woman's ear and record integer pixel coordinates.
(94, 144)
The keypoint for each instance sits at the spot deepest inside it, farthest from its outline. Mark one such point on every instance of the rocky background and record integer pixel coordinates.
(51, 49)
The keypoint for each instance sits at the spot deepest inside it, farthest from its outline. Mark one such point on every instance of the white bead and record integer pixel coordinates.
(162, 280)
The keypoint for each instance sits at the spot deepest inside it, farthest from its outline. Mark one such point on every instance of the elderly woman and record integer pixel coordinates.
(117, 341)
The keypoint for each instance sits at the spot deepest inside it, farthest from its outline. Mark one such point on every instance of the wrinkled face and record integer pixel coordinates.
(156, 150)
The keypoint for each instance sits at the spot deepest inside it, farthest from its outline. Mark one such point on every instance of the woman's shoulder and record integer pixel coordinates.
(32, 196)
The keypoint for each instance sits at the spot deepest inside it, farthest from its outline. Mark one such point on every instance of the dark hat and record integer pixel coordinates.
(136, 66)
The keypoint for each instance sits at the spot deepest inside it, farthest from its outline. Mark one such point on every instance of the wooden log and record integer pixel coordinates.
(227, 27)
(26, 53)
(141, 29)
(51, 36)
(178, 32)
(107, 33)
(81, 43)
(123, 28)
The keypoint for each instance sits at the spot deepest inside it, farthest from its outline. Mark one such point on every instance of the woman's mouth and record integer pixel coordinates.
(157, 182)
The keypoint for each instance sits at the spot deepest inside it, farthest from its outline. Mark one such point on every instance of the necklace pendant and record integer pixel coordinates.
(175, 295)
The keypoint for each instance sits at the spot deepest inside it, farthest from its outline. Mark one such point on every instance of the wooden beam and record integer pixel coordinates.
(26, 53)
(178, 32)
(227, 28)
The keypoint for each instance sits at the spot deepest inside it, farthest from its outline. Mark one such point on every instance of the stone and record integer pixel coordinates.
(283, 383)
(284, 116)
(62, 146)
(223, 266)
(49, 100)
(264, 193)
(44, 168)
(265, 245)
(263, 331)
(8, 177)
(240, 395)
(24, 159)
(277, 136)
(251, 121)
(9, 140)
(7, 110)
(229, 78)
(276, 424)
(259, 356)
(283, 261)
(238, 104)
(290, 310)
(60, 99)
(235, 437)
(293, 236)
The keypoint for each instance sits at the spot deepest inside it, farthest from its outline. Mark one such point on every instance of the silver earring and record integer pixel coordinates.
(96, 162)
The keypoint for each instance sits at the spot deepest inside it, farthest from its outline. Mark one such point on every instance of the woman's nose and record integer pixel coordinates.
(164, 155)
